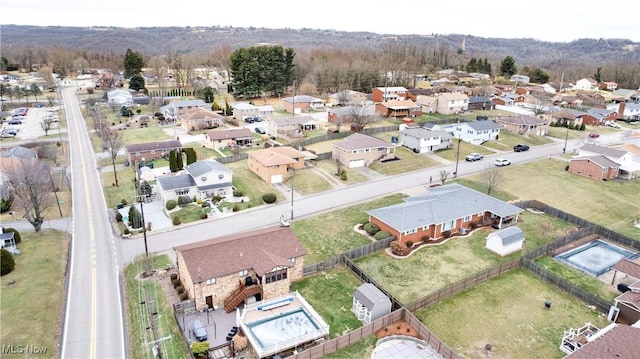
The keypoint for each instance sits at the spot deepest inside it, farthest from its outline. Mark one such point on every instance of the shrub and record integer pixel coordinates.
(184, 200)
(179, 200)
(269, 198)
(205, 204)
(174, 276)
(473, 225)
(399, 249)
(446, 234)
(200, 349)
(237, 193)
(203, 215)
(409, 244)
(566, 168)
(7, 264)
(176, 282)
(240, 342)
(180, 289)
(343, 175)
(371, 228)
(381, 235)
(176, 220)
(126, 231)
(236, 208)
(171, 204)
(216, 199)
(183, 296)
(118, 217)
(425, 238)
(124, 201)
(199, 201)
(16, 234)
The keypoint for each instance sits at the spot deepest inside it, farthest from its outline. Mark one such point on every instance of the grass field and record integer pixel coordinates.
(408, 161)
(508, 312)
(407, 279)
(353, 176)
(31, 309)
(250, 184)
(125, 189)
(337, 234)
(330, 293)
(307, 182)
(359, 350)
(137, 316)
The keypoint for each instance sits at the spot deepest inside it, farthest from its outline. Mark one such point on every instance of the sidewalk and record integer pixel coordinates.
(60, 224)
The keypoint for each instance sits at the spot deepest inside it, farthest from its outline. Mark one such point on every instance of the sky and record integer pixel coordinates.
(546, 20)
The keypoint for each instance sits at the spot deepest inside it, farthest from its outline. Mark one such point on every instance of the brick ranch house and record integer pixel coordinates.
(151, 150)
(275, 164)
(451, 208)
(223, 272)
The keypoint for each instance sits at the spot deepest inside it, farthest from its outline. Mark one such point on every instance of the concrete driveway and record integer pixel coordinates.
(153, 214)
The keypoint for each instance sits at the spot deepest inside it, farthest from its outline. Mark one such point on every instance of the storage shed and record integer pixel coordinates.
(505, 241)
(369, 303)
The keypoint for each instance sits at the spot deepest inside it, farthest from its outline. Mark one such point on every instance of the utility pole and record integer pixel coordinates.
(154, 330)
(455, 173)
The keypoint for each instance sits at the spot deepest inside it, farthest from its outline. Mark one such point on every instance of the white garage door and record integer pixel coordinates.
(276, 179)
(356, 163)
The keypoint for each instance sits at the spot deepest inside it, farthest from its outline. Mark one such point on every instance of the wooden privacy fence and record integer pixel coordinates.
(351, 254)
(358, 334)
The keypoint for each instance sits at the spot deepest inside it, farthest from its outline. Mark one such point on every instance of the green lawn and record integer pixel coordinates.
(190, 213)
(508, 312)
(31, 308)
(125, 189)
(453, 260)
(337, 234)
(408, 161)
(307, 182)
(359, 350)
(250, 184)
(143, 135)
(353, 176)
(507, 140)
(330, 293)
(138, 319)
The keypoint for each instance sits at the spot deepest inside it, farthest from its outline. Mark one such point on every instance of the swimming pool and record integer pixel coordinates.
(596, 257)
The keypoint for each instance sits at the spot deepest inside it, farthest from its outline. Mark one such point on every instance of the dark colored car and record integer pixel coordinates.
(248, 120)
(594, 135)
(199, 330)
(260, 130)
(14, 122)
(520, 148)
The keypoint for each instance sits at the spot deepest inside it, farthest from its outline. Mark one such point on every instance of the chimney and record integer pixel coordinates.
(621, 107)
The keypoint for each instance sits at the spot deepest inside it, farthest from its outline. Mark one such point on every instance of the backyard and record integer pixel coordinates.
(508, 312)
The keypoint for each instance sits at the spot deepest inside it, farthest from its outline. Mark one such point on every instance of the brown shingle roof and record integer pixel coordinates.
(629, 267)
(623, 341)
(199, 113)
(272, 156)
(153, 146)
(358, 141)
(260, 250)
(229, 134)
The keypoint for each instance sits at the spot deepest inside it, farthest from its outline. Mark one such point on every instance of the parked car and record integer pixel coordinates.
(260, 130)
(7, 134)
(594, 135)
(500, 162)
(199, 331)
(14, 121)
(257, 119)
(474, 157)
(520, 147)
(614, 125)
(248, 119)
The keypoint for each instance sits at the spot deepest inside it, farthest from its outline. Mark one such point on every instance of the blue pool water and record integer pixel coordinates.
(282, 328)
(596, 257)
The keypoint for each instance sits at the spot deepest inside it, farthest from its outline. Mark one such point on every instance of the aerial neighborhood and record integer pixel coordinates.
(262, 212)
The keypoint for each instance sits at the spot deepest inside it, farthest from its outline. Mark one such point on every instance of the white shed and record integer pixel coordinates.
(369, 303)
(505, 241)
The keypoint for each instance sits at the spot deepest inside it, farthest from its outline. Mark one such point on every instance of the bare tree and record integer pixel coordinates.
(46, 124)
(159, 69)
(360, 116)
(492, 177)
(30, 185)
(444, 174)
(112, 143)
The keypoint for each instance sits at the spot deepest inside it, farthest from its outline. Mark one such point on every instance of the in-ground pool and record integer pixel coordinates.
(596, 257)
(282, 328)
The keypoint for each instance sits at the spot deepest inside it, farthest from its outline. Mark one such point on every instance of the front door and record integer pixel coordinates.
(209, 300)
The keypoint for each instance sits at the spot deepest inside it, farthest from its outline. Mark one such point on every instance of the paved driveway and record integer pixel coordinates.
(153, 213)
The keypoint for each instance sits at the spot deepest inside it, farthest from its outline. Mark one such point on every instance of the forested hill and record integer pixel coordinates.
(162, 40)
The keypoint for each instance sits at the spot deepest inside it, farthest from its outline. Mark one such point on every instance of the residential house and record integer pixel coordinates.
(556, 87)
(428, 104)
(370, 303)
(242, 110)
(149, 151)
(609, 86)
(346, 98)
(119, 97)
(202, 179)
(529, 89)
(174, 109)
(480, 103)
(413, 93)
(508, 99)
(20, 152)
(199, 119)
(569, 101)
(475, 132)
(629, 301)
(523, 125)
(626, 110)
(628, 168)
(421, 140)
(599, 117)
(224, 272)
(443, 211)
(586, 84)
(382, 94)
(395, 109)
(265, 110)
(613, 341)
(302, 103)
(591, 99)
(505, 241)
(141, 99)
(291, 126)
(519, 79)
(359, 150)
(344, 115)
(567, 117)
(276, 164)
(598, 167)
(8, 242)
(452, 103)
(220, 139)
(624, 95)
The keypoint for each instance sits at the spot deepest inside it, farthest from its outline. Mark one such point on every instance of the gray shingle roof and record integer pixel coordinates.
(368, 295)
(439, 205)
(483, 125)
(509, 235)
(21, 152)
(170, 182)
(601, 150)
(358, 141)
(422, 132)
(200, 168)
(153, 146)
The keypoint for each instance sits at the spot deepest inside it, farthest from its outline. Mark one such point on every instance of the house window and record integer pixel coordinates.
(605, 170)
(203, 178)
(182, 192)
(137, 153)
(275, 276)
(354, 151)
(243, 273)
(424, 228)
(367, 150)
(220, 176)
(211, 281)
(467, 218)
(411, 231)
(153, 152)
(292, 260)
(448, 225)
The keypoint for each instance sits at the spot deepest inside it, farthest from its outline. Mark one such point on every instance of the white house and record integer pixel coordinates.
(586, 84)
(520, 79)
(505, 241)
(174, 109)
(119, 97)
(452, 103)
(241, 110)
(421, 140)
(475, 132)
(369, 303)
(201, 179)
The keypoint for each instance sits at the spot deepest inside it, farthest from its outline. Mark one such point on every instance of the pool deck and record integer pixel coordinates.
(404, 348)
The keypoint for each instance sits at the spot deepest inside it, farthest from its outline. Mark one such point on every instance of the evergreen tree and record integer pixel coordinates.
(136, 82)
(191, 155)
(135, 218)
(486, 67)
(508, 67)
(179, 163)
(208, 94)
(261, 69)
(173, 166)
(133, 63)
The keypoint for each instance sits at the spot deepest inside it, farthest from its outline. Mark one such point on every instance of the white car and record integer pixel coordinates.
(614, 125)
(500, 162)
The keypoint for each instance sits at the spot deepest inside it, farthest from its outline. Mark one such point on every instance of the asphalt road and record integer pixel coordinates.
(94, 321)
